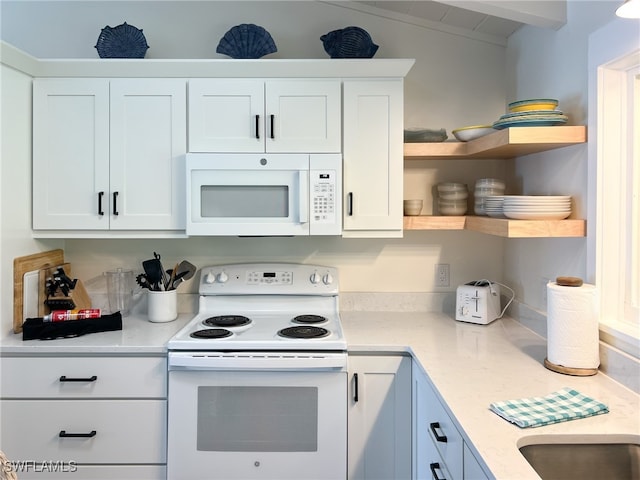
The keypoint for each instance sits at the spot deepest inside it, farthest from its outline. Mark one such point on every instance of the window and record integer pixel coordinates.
(614, 211)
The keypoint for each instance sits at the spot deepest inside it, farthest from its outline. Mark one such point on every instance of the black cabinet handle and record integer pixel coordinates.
(272, 122)
(64, 434)
(115, 203)
(439, 438)
(434, 467)
(258, 127)
(64, 378)
(350, 204)
(100, 210)
(355, 387)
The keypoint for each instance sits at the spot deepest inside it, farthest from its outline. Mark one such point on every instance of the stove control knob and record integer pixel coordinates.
(210, 278)
(222, 277)
(315, 278)
(327, 279)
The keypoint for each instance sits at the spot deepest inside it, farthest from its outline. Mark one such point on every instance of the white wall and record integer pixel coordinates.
(553, 64)
(455, 82)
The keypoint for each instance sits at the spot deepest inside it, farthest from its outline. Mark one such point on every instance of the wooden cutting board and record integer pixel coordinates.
(29, 263)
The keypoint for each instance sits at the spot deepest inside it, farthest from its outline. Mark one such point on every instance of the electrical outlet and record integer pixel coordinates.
(442, 275)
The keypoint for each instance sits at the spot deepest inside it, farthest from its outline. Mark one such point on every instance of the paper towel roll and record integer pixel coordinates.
(572, 326)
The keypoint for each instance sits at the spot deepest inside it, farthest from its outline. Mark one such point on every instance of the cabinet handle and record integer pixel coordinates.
(350, 204)
(258, 127)
(355, 387)
(434, 467)
(64, 434)
(100, 211)
(115, 203)
(272, 122)
(439, 438)
(64, 378)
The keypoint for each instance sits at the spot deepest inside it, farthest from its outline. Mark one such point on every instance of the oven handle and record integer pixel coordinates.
(236, 361)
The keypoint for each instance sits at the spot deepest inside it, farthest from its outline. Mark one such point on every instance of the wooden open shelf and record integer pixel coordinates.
(499, 226)
(507, 143)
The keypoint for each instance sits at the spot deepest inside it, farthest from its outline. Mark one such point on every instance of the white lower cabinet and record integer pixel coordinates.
(379, 417)
(84, 417)
(439, 451)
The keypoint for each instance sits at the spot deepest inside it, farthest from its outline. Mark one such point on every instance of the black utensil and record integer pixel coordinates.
(154, 272)
(164, 277)
(143, 281)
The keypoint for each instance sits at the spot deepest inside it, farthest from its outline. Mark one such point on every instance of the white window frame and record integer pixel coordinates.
(614, 221)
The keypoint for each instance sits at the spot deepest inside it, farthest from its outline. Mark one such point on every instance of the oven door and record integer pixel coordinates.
(247, 194)
(257, 415)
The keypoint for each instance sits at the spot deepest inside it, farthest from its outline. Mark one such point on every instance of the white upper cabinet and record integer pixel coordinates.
(373, 158)
(70, 154)
(108, 154)
(254, 115)
(147, 148)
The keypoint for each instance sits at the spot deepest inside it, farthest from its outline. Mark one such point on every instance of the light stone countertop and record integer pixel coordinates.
(469, 365)
(472, 366)
(138, 336)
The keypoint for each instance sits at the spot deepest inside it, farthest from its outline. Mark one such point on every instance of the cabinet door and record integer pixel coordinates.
(472, 469)
(226, 115)
(70, 154)
(148, 144)
(373, 158)
(303, 116)
(379, 417)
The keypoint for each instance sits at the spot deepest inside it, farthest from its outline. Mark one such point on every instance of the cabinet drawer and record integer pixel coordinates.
(83, 377)
(444, 435)
(126, 431)
(59, 471)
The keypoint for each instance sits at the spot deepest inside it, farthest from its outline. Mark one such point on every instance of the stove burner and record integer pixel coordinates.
(309, 319)
(303, 331)
(227, 321)
(211, 333)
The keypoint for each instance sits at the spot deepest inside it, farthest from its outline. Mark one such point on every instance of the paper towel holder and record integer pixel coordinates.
(581, 372)
(578, 372)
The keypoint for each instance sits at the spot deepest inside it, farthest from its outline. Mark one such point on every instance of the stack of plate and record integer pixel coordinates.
(537, 207)
(530, 113)
(493, 206)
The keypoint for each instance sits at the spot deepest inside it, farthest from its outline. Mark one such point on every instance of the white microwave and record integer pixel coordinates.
(264, 194)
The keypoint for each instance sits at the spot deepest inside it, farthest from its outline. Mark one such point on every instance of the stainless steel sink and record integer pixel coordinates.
(584, 457)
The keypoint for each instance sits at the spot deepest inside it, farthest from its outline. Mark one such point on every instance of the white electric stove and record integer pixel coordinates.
(265, 307)
(258, 378)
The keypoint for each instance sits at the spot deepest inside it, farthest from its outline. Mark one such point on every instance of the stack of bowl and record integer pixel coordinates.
(452, 198)
(486, 187)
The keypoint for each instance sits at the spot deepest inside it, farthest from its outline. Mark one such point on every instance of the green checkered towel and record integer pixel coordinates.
(561, 406)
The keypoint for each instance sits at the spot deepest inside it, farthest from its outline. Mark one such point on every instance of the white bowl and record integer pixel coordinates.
(462, 195)
(452, 207)
(466, 134)
(412, 207)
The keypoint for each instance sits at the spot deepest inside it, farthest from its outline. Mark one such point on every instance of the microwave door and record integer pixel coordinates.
(241, 202)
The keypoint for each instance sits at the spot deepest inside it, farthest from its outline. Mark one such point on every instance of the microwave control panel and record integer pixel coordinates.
(325, 194)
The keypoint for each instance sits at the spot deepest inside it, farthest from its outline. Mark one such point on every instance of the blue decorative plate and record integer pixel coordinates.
(246, 41)
(123, 41)
(535, 113)
(349, 42)
(542, 122)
